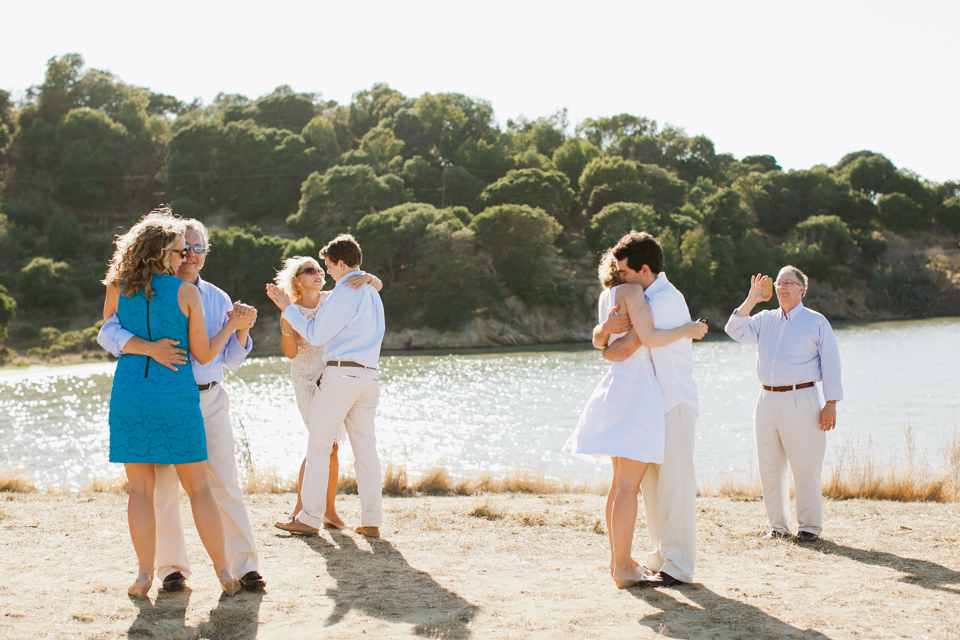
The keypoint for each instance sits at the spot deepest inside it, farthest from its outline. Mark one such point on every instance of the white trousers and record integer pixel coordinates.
(670, 499)
(787, 429)
(348, 396)
(241, 549)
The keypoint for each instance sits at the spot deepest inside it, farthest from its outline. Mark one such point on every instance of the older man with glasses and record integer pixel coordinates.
(796, 348)
(173, 566)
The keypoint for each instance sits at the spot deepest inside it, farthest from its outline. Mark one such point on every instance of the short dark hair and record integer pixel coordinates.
(343, 247)
(640, 248)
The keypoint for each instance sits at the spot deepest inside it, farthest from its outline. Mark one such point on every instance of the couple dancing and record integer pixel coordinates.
(643, 413)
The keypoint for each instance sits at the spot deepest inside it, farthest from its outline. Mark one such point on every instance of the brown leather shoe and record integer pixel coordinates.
(296, 527)
(370, 532)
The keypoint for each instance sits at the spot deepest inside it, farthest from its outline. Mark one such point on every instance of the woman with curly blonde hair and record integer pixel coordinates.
(303, 279)
(155, 411)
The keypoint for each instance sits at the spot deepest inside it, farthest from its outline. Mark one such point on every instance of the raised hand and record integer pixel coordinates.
(696, 330)
(616, 324)
(756, 289)
(279, 296)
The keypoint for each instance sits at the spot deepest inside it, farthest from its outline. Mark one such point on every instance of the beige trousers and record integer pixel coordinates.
(787, 429)
(348, 396)
(670, 498)
(241, 549)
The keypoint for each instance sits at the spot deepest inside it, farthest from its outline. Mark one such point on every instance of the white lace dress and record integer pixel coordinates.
(307, 368)
(624, 415)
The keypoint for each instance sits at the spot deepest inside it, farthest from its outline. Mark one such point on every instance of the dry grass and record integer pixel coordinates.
(269, 481)
(906, 477)
(109, 485)
(484, 508)
(14, 481)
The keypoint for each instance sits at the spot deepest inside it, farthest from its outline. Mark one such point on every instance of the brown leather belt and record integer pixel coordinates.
(789, 387)
(348, 363)
(204, 387)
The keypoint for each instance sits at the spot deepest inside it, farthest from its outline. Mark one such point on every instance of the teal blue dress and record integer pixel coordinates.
(155, 412)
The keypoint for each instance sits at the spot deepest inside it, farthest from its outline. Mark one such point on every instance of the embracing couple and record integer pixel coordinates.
(643, 413)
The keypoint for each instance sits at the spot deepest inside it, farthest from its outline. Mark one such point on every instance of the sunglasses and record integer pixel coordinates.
(198, 249)
(182, 252)
(310, 271)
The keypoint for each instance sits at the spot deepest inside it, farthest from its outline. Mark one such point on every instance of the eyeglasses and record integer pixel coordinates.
(782, 284)
(310, 271)
(182, 252)
(198, 249)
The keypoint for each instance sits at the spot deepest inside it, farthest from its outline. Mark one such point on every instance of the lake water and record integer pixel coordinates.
(499, 411)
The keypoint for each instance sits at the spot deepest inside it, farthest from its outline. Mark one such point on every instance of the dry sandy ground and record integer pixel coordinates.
(539, 570)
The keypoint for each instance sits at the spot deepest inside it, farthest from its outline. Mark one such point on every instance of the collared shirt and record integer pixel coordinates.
(349, 325)
(794, 348)
(673, 363)
(216, 304)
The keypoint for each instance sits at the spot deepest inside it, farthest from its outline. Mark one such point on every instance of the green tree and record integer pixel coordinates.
(64, 236)
(449, 119)
(93, 154)
(666, 190)
(242, 261)
(381, 145)
(461, 286)
(899, 213)
(321, 135)
(8, 307)
(572, 157)
(695, 273)
(949, 215)
(616, 220)
(725, 214)
(830, 234)
(610, 179)
(45, 284)
(546, 190)
(337, 199)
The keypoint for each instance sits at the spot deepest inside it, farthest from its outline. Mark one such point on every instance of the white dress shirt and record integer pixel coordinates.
(673, 363)
(349, 325)
(794, 348)
(216, 303)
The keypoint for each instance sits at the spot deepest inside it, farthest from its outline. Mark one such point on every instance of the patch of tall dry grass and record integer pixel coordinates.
(15, 482)
(907, 477)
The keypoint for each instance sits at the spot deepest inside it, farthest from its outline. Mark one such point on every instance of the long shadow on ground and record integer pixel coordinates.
(166, 617)
(381, 583)
(923, 573)
(713, 616)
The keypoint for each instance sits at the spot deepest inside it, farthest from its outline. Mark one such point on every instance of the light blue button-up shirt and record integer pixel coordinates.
(794, 348)
(349, 325)
(216, 304)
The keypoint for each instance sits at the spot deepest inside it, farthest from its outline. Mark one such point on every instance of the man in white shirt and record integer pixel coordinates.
(795, 349)
(350, 326)
(669, 489)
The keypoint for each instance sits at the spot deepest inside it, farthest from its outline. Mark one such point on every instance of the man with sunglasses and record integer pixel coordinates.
(796, 348)
(173, 567)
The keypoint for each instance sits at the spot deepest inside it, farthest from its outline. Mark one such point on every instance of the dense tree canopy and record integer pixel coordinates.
(455, 211)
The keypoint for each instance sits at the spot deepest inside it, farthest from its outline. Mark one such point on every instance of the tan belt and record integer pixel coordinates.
(789, 387)
(204, 387)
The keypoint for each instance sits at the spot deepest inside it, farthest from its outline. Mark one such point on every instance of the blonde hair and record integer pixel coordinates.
(286, 278)
(608, 272)
(144, 250)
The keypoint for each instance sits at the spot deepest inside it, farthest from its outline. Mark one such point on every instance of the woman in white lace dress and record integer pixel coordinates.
(302, 279)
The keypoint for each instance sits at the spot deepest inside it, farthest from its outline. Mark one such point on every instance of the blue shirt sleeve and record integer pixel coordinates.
(234, 353)
(113, 337)
(829, 363)
(744, 329)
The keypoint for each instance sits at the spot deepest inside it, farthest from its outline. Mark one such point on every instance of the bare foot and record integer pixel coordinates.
(627, 577)
(332, 518)
(632, 561)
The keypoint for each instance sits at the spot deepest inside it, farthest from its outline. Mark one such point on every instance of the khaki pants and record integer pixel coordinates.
(670, 498)
(348, 396)
(239, 544)
(787, 429)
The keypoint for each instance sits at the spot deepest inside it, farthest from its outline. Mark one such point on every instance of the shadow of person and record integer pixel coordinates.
(923, 573)
(713, 616)
(382, 584)
(235, 617)
(164, 618)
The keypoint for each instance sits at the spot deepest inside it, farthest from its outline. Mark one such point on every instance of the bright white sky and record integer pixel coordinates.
(805, 81)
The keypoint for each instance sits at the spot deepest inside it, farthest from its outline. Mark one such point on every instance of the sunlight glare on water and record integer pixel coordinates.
(500, 411)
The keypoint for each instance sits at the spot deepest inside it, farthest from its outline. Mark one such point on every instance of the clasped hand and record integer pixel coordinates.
(242, 316)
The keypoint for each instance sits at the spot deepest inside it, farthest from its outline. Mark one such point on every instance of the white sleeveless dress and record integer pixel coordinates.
(624, 415)
(307, 368)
